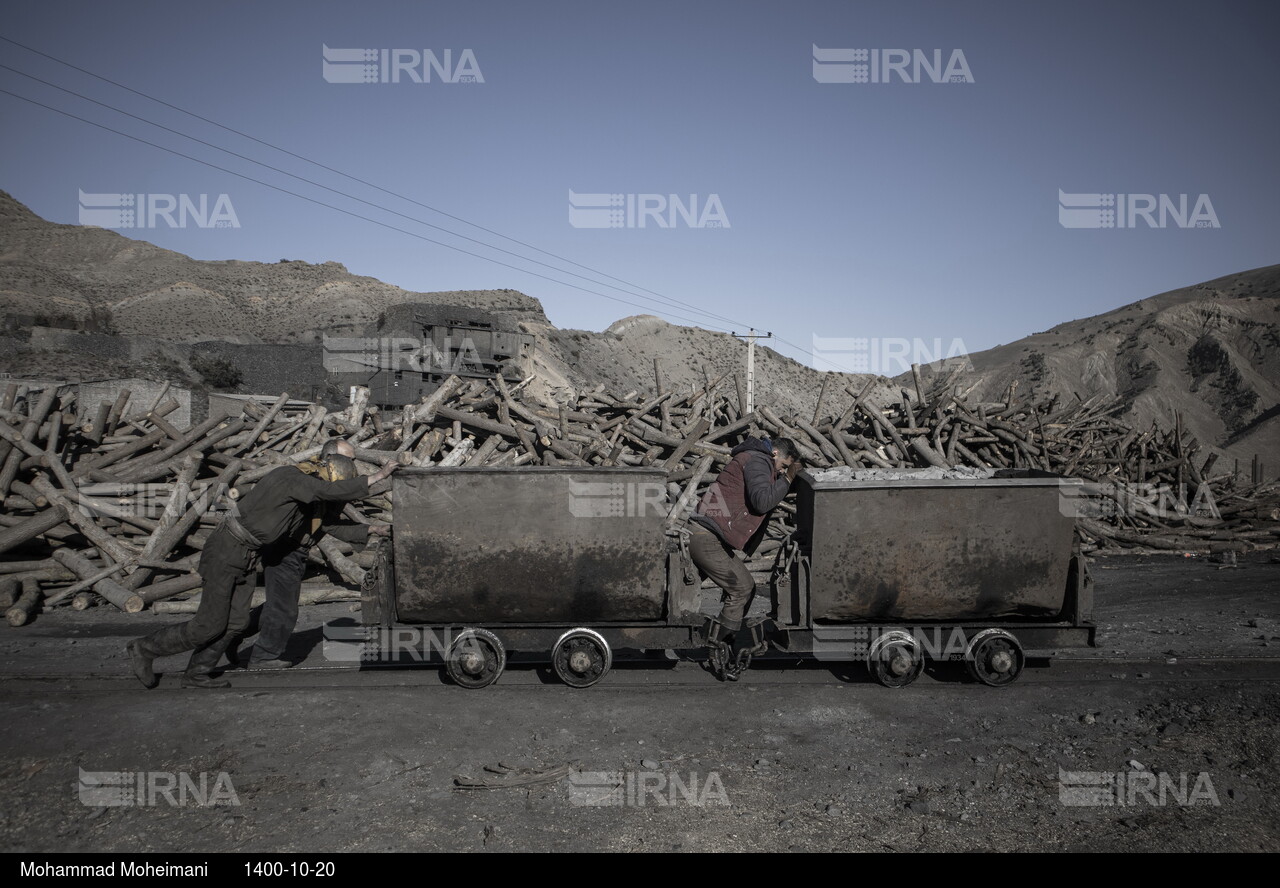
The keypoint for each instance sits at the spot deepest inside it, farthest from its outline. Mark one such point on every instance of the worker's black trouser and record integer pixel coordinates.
(282, 572)
(229, 570)
(716, 560)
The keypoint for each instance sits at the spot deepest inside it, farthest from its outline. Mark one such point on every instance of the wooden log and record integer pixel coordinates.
(380, 458)
(154, 592)
(476, 421)
(740, 425)
(426, 411)
(800, 439)
(346, 568)
(819, 440)
(85, 582)
(11, 567)
(111, 457)
(877, 417)
(94, 429)
(174, 510)
(166, 542)
(103, 584)
(822, 393)
(164, 390)
(684, 504)
(18, 440)
(174, 463)
(485, 451)
(695, 435)
(928, 454)
(32, 527)
(273, 438)
(639, 411)
(26, 606)
(116, 414)
(430, 445)
(137, 469)
(275, 409)
(842, 422)
(126, 512)
(845, 454)
(9, 587)
(458, 455)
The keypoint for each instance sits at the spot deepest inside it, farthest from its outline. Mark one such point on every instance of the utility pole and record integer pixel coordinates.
(751, 338)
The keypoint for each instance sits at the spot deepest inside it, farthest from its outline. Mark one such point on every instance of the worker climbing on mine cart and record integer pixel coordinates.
(732, 515)
(280, 506)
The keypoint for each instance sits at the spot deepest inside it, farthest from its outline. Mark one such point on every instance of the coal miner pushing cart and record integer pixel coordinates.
(281, 508)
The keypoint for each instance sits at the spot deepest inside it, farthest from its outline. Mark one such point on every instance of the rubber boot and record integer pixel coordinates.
(203, 661)
(140, 659)
(142, 651)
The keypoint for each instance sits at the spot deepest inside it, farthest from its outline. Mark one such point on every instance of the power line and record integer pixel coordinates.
(332, 207)
(666, 299)
(318, 184)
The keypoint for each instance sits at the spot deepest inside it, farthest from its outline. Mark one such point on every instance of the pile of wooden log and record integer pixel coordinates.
(116, 504)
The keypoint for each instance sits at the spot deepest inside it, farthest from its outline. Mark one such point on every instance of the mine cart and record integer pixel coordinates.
(908, 566)
(572, 564)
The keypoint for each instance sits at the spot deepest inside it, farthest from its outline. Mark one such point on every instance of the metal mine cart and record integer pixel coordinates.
(571, 564)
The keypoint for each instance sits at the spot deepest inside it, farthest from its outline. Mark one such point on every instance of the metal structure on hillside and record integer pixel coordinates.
(417, 346)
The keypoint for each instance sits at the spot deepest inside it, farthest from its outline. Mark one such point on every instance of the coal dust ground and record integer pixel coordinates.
(1163, 738)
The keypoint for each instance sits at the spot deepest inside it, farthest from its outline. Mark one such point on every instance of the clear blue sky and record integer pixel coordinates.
(855, 209)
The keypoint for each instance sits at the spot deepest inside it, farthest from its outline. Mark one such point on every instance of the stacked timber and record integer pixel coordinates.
(112, 503)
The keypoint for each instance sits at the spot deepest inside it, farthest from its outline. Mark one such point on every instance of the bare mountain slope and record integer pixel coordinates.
(92, 279)
(1210, 352)
(95, 279)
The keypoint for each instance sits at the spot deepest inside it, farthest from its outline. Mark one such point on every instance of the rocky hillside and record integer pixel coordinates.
(95, 279)
(1210, 352)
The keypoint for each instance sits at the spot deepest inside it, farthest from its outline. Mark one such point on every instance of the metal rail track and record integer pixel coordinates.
(683, 675)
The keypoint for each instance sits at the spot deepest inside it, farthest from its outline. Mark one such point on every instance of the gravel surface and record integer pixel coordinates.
(1179, 740)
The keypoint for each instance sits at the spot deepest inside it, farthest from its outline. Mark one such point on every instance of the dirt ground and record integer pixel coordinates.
(1174, 719)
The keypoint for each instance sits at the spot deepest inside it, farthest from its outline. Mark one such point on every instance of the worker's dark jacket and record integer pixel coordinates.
(281, 506)
(737, 503)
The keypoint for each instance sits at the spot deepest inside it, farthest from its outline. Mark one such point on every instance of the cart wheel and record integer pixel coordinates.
(476, 658)
(895, 659)
(994, 657)
(581, 657)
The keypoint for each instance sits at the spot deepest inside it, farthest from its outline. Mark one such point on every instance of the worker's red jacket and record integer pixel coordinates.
(737, 503)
